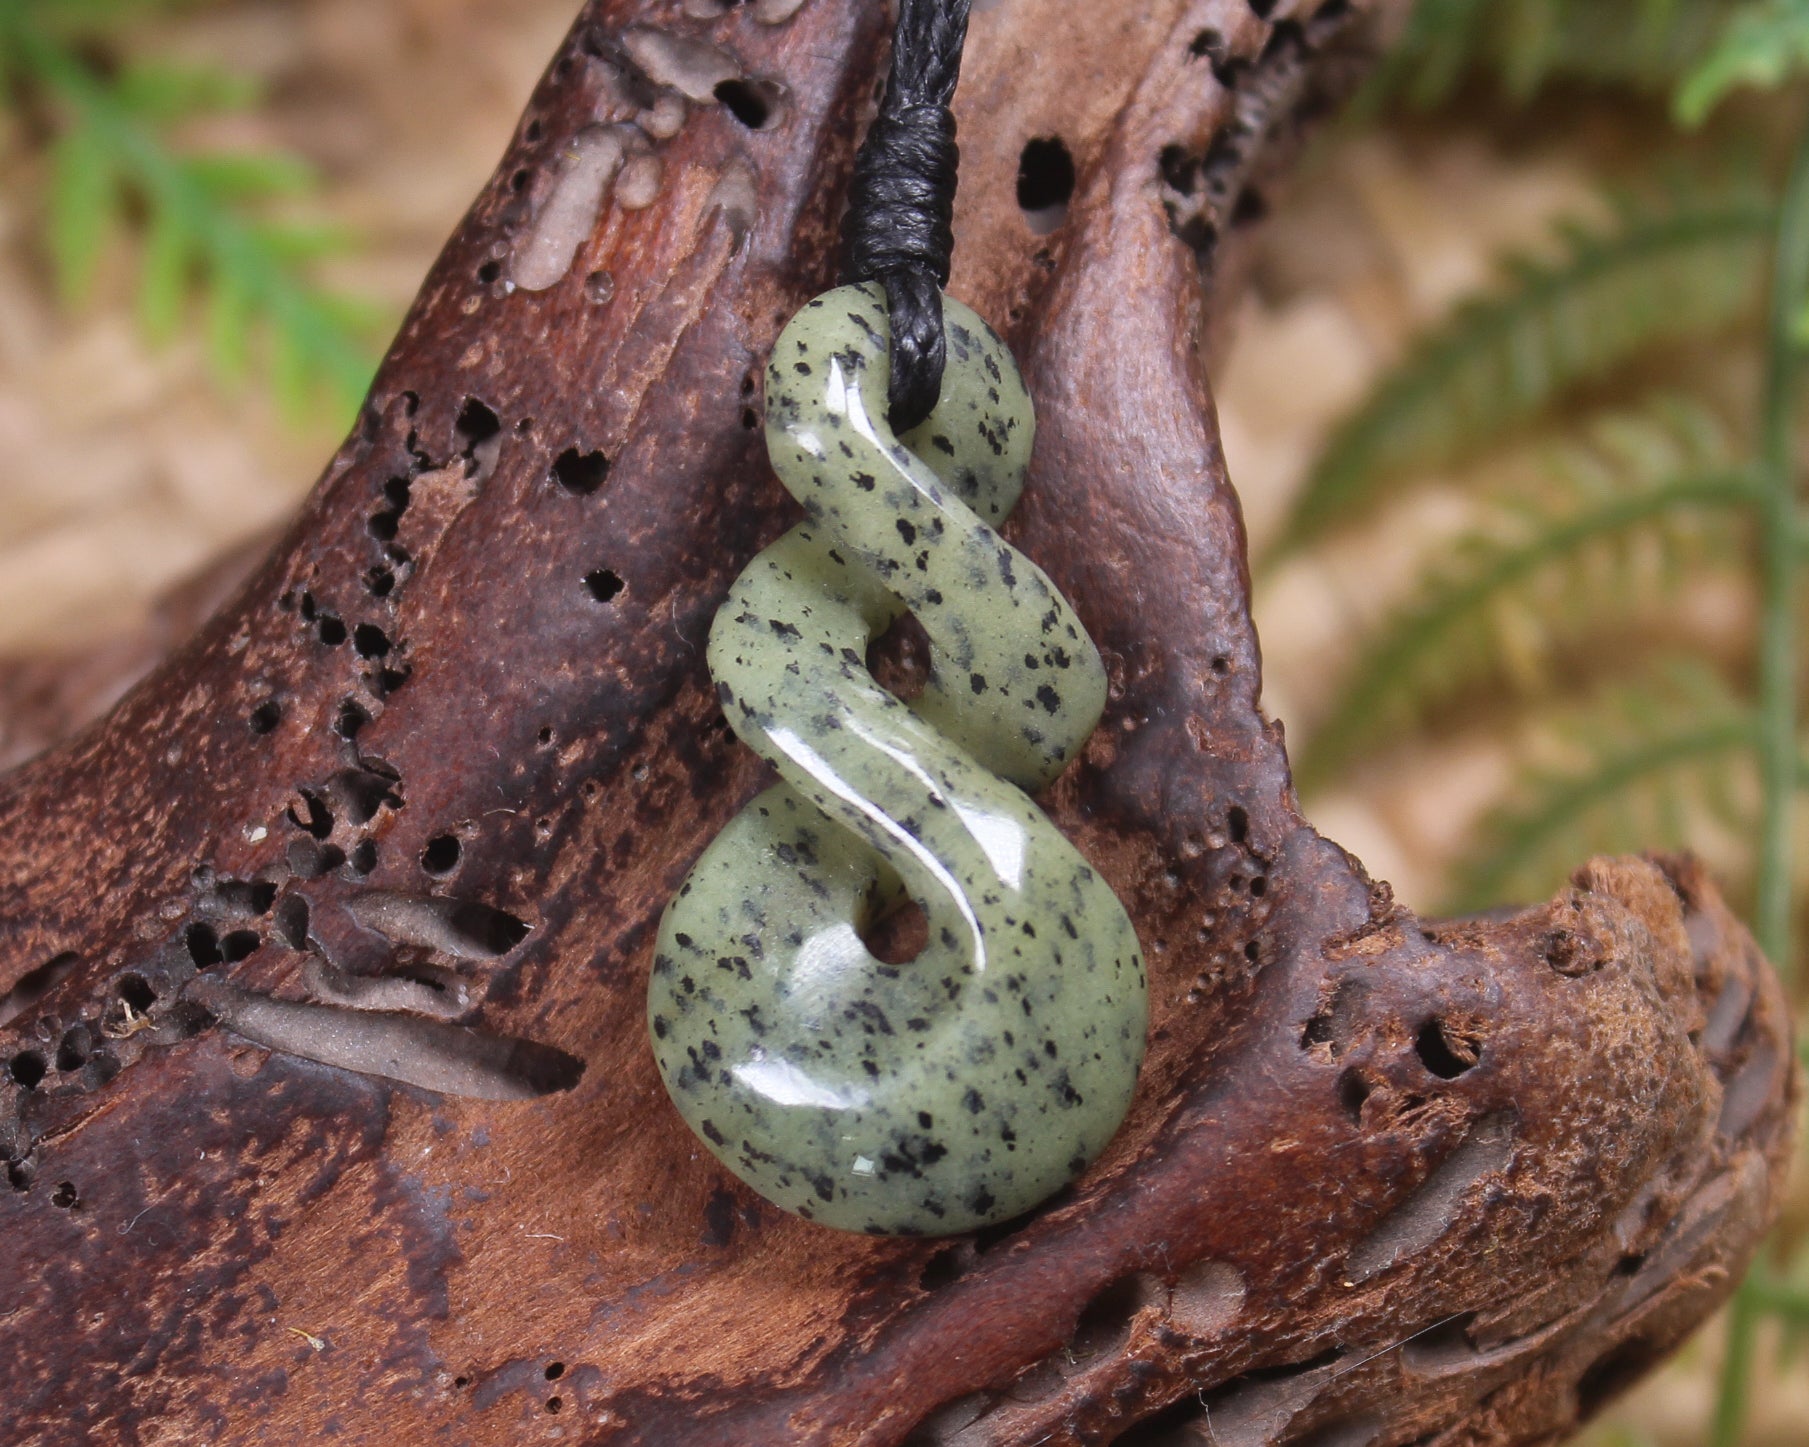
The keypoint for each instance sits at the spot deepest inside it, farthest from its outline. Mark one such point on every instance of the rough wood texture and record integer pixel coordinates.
(1385, 1182)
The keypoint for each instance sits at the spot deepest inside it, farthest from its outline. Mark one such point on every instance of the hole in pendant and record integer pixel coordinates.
(898, 936)
(899, 659)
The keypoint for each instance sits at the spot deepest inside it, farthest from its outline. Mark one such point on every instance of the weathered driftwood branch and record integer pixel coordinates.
(412, 801)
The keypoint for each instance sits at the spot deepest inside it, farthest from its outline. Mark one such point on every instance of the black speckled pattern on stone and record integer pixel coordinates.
(965, 1086)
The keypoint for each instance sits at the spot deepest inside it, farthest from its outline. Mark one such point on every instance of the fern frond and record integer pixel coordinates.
(1646, 766)
(1641, 44)
(1625, 517)
(228, 329)
(1790, 1304)
(1646, 45)
(164, 277)
(1760, 45)
(160, 93)
(250, 175)
(1784, 1293)
(1498, 361)
(295, 242)
(84, 19)
(203, 234)
(83, 204)
(1438, 46)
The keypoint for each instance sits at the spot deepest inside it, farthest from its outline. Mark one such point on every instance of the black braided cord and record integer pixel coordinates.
(901, 204)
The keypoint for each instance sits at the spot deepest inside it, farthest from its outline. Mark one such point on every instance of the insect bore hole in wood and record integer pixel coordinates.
(1045, 183)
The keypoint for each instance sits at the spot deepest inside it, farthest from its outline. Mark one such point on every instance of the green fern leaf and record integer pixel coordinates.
(164, 276)
(83, 19)
(1438, 46)
(250, 175)
(1790, 1304)
(1475, 624)
(203, 230)
(1611, 528)
(290, 381)
(1640, 762)
(1532, 33)
(1645, 45)
(228, 331)
(1762, 45)
(1785, 1294)
(1499, 361)
(316, 345)
(83, 210)
(294, 242)
(1641, 44)
(358, 317)
(159, 93)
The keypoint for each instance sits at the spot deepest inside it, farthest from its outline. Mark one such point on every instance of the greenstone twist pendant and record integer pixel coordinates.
(965, 1086)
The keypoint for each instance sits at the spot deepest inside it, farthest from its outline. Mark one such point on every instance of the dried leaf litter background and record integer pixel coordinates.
(123, 468)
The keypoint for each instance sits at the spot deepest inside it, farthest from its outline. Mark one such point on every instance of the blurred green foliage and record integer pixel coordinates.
(1612, 474)
(1643, 46)
(1609, 469)
(218, 241)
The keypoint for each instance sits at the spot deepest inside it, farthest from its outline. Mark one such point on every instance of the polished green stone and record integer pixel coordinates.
(965, 1086)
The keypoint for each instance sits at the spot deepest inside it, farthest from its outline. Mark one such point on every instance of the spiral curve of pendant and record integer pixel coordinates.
(964, 1086)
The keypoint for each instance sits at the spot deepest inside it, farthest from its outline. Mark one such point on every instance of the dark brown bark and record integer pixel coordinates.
(1385, 1181)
